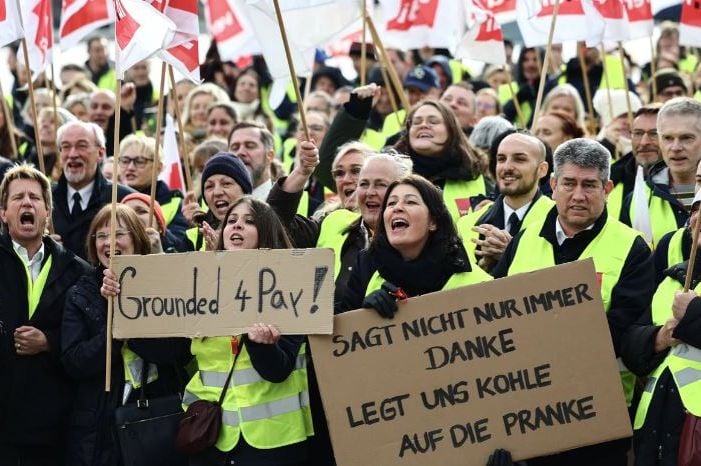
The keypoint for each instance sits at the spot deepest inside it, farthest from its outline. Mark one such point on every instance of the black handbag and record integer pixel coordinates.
(146, 429)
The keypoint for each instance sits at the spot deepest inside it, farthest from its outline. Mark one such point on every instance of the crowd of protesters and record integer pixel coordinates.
(448, 192)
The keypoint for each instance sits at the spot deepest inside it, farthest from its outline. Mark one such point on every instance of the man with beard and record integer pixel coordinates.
(37, 273)
(578, 227)
(520, 164)
(82, 190)
(253, 144)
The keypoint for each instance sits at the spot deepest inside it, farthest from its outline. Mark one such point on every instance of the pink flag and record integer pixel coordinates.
(483, 41)
(640, 19)
(690, 24)
(141, 31)
(38, 28)
(10, 22)
(410, 24)
(81, 17)
(172, 173)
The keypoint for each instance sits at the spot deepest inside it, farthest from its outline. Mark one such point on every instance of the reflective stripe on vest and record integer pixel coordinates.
(674, 249)
(683, 360)
(609, 250)
(268, 414)
(457, 194)
(133, 365)
(170, 209)
(662, 217)
(334, 232)
(36, 287)
(457, 280)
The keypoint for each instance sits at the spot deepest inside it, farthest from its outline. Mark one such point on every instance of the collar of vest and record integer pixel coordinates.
(548, 230)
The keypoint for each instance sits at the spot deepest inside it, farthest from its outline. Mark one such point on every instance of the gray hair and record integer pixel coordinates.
(680, 106)
(583, 153)
(402, 163)
(487, 130)
(351, 146)
(90, 127)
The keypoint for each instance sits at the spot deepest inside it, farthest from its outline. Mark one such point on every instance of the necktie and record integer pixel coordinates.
(514, 224)
(77, 208)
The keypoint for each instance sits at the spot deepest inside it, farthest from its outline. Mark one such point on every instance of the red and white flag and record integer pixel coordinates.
(231, 29)
(690, 24)
(613, 14)
(183, 51)
(172, 173)
(483, 40)
(504, 11)
(38, 28)
(576, 20)
(640, 19)
(141, 31)
(412, 24)
(79, 18)
(10, 22)
(185, 58)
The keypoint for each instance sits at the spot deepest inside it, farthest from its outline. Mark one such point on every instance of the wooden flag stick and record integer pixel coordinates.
(587, 90)
(293, 73)
(692, 256)
(544, 68)
(113, 229)
(606, 80)
(653, 67)
(52, 86)
(157, 154)
(307, 85)
(181, 131)
(9, 122)
(363, 47)
(390, 67)
(625, 84)
(514, 99)
(390, 93)
(37, 142)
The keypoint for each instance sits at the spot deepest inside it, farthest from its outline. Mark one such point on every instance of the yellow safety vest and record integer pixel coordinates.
(457, 194)
(171, 208)
(505, 97)
(133, 365)
(334, 233)
(614, 201)
(662, 219)
(391, 125)
(457, 280)
(268, 415)
(288, 159)
(36, 287)
(108, 80)
(683, 360)
(688, 64)
(674, 248)
(535, 215)
(609, 250)
(192, 234)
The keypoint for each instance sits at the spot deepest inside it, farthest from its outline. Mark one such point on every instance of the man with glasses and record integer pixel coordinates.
(670, 187)
(82, 190)
(646, 152)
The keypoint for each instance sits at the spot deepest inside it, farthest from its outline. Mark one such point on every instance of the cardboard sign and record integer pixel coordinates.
(222, 293)
(523, 363)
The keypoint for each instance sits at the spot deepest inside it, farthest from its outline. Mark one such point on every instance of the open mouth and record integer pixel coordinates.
(117, 252)
(372, 205)
(348, 192)
(26, 218)
(75, 165)
(399, 224)
(424, 135)
(221, 205)
(236, 239)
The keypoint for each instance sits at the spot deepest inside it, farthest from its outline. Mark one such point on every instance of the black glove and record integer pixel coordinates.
(382, 300)
(500, 458)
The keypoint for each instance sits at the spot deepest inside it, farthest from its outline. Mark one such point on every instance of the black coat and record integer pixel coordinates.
(91, 434)
(74, 231)
(34, 390)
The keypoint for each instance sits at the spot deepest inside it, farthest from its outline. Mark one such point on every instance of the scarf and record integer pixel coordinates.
(442, 167)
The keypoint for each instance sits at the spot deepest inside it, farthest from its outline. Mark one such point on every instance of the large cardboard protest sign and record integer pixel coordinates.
(222, 293)
(524, 363)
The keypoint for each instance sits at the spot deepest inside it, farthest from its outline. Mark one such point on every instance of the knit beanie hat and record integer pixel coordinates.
(226, 163)
(146, 199)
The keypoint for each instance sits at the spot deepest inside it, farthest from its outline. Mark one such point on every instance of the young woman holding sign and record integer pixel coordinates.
(265, 410)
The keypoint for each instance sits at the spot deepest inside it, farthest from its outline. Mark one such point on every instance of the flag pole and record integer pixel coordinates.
(37, 142)
(606, 80)
(181, 132)
(113, 229)
(52, 87)
(9, 122)
(390, 67)
(653, 70)
(363, 48)
(293, 73)
(625, 85)
(514, 98)
(156, 155)
(587, 90)
(544, 68)
(390, 91)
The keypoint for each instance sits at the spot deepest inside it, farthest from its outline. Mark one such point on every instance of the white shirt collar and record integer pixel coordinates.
(560, 234)
(85, 194)
(521, 212)
(34, 265)
(261, 191)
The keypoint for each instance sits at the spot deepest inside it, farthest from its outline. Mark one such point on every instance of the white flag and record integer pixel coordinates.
(641, 213)
(10, 22)
(231, 28)
(483, 40)
(172, 173)
(576, 20)
(412, 24)
(38, 28)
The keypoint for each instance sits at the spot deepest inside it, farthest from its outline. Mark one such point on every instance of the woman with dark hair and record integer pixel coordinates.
(442, 154)
(416, 249)
(247, 99)
(221, 118)
(91, 433)
(554, 128)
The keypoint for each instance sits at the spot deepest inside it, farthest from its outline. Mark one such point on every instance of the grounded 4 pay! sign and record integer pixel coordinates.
(222, 293)
(523, 363)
